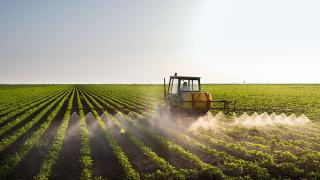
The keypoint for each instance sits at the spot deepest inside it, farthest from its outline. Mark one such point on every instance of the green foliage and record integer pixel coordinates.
(130, 173)
(85, 159)
(12, 160)
(279, 152)
(52, 156)
(4, 143)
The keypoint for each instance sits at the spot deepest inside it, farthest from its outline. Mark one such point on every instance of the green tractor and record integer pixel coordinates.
(184, 95)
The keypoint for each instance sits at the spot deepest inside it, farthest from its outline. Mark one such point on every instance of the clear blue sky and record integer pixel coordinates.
(274, 41)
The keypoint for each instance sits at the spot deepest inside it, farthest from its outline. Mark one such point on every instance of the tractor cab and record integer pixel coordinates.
(184, 94)
(182, 84)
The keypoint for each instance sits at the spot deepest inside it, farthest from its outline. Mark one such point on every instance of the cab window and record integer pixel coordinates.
(189, 85)
(174, 86)
(195, 85)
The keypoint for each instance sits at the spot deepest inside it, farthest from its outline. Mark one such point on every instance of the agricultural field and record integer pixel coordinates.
(118, 132)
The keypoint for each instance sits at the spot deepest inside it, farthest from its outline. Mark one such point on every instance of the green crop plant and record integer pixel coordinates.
(12, 160)
(85, 159)
(4, 143)
(130, 173)
(52, 156)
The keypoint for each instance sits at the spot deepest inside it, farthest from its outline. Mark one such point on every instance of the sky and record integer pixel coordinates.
(125, 41)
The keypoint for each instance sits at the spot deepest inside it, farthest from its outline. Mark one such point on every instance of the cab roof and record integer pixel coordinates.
(185, 77)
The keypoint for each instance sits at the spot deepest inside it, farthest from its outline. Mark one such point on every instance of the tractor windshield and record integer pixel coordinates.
(189, 85)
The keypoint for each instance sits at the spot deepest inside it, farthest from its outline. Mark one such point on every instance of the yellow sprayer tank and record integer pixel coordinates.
(196, 100)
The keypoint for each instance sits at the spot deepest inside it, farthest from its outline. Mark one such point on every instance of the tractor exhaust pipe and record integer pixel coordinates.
(165, 89)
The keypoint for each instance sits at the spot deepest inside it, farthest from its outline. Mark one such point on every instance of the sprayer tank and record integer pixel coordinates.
(196, 100)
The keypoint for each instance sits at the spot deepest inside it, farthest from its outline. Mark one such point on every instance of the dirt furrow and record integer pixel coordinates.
(68, 164)
(30, 164)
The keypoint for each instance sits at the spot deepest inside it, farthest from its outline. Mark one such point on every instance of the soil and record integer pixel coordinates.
(139, 161)
(22, 102)
(85, 106)
(106, 101)
(158, 149)
(105, 164)
(203, 155)
(20, 113)
(68, 164)
(16, 145)
(75, 104)
(24, 122)
(31, 163)
(161, 150)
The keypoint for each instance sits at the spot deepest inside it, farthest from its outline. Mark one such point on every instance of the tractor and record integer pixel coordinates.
(184, 95)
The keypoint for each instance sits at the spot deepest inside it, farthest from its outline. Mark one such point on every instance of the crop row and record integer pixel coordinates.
(26, 114)
(130, 173)
(127, 100)
(56, 147)
(4, 143)
(175, 148)
(167, 168)
(281, 151)
(30, 100)
(230, 165)
(12, 160)
(229, 152)
(284, 164)
(29, 108)
(14, 96)
(191, 158)
(85, 159)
